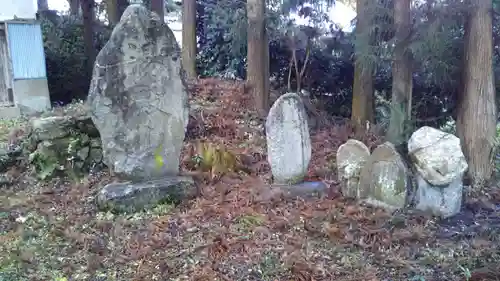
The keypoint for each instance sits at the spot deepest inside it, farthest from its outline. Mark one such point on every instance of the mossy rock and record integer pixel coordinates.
(69, 155)
(129, 197)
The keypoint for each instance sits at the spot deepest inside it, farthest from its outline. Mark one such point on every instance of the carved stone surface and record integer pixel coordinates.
(132, 197)
(437, 155)
(288, 139)
(137, 97)
(351, 158)
(384, 178)
(440, 166)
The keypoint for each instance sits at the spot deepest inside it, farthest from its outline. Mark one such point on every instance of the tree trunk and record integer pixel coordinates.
(158, 7)
(74, 7)
(189, 38)
(42, 5)
(88, 32)
(112, 11)
(267, 71)
(477, 114)
(362, 92)
(402, 82)
(256, 56)
(115, 9)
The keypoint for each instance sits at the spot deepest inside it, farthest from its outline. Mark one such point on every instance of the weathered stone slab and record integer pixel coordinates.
(137, 98)
(351, 158)
(288, 139)
(304, 190)
(384, 178)
(440, 166)
(135, 196)
(437, 155)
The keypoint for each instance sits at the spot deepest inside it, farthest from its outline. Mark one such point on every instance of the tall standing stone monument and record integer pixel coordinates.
(137, 97)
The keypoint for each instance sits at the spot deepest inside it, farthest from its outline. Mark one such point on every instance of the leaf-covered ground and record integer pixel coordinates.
(52, 231)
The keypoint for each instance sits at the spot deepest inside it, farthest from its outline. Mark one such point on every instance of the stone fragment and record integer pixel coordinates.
(95, 156)
(288, 140)
(85, 125)
(304, 190)
(136, 196)
(83, 153)
(95, 143)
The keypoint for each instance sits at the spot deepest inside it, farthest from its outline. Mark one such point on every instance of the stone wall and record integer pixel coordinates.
(67, 144)
(56, 144)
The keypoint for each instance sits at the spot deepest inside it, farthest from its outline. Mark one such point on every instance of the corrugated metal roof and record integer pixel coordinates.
(26, 50)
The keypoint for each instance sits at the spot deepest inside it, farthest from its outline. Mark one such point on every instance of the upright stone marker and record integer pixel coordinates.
(137, 97)
(288, 139)
(351, 158)
(384, 178)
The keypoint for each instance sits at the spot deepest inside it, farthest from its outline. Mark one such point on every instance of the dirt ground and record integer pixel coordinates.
(52, 231)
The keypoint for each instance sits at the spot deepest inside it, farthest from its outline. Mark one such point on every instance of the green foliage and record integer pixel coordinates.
(400, 125)
(436, 45)
(45, 165)
(449, 127)
(466, 272)
(59, 156)
(221, 28)
(215, 159)
(65, 57)
(437, 42)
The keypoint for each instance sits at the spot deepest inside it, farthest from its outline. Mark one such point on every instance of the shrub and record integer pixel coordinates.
(65, 56)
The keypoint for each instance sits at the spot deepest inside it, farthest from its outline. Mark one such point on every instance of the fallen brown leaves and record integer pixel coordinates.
(227, 234)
